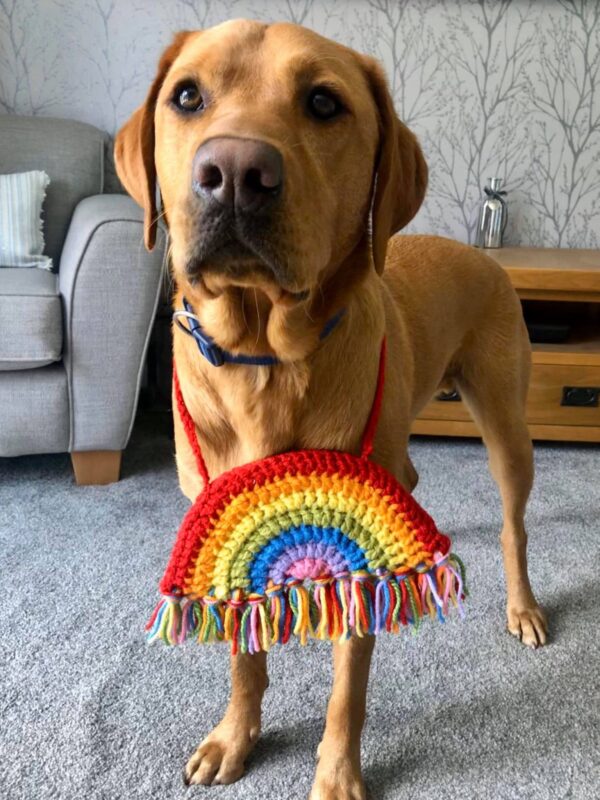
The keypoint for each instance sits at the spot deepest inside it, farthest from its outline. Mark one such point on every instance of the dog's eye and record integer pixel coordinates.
(188, 97)
(323, 105)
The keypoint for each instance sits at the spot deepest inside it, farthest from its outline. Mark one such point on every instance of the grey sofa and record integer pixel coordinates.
(73, 342)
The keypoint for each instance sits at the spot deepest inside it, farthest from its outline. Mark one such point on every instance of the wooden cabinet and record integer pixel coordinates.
(564, 396)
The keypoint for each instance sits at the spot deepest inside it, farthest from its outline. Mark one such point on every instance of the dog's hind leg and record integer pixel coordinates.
(221, 756)
(338, 775)
(493, 381)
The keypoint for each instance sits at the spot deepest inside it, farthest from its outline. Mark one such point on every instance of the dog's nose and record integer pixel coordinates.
(243, 174)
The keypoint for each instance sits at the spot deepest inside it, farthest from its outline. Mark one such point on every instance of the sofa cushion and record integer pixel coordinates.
(30, 318)
(35, 411)
(71, 153)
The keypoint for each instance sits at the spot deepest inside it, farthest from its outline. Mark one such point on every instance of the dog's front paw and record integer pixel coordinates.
(528, 624)
(221, 756)
(338, 778)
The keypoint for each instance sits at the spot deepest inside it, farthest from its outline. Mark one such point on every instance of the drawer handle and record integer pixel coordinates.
(581, 396)
(449, 397)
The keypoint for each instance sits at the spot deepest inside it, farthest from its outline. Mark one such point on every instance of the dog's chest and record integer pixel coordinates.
(257, 414)
(246, 415)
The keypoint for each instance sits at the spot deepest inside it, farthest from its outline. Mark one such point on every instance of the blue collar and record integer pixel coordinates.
(216, 356)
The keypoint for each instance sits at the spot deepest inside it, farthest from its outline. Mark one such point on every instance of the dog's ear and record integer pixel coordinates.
(400, 178)
(134, 145)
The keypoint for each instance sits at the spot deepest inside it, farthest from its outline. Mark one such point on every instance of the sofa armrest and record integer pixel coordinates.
(110, 287)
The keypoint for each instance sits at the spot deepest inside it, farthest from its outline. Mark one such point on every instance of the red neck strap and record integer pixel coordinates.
(366, 445)
(190, 427)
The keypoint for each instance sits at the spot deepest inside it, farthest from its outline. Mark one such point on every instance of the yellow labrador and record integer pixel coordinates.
(284, 171)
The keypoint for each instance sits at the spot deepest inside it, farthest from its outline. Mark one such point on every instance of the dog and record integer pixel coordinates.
(284, 173)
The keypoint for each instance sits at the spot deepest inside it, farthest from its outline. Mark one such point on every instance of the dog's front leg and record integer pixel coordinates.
(221, 756)
(339, 775)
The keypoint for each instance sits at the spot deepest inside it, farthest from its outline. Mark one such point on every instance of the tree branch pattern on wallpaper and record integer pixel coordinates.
(565, 162)
(492, 87)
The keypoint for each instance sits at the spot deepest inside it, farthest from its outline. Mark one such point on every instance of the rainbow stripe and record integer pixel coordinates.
(316, 543)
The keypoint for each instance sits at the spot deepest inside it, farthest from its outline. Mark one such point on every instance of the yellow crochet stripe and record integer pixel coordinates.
(386, 534)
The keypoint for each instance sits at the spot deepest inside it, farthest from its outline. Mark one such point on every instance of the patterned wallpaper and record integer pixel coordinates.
(492, 87)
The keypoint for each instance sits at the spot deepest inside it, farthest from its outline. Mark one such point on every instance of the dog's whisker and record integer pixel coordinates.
(160, 215)
(257, 317)
(244, 309)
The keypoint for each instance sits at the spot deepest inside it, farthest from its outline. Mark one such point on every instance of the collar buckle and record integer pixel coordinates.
(209, 349)
(207, 346)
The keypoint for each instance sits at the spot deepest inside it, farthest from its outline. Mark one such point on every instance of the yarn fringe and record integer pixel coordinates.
(333, 609)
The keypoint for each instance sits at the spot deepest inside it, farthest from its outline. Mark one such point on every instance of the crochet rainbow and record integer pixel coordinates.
(315, 543)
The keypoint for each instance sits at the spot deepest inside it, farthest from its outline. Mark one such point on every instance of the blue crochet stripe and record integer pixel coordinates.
(217, 356)
(301, 535)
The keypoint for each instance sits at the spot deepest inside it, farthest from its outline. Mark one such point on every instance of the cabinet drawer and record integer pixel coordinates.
(546, 389)
(545, 398)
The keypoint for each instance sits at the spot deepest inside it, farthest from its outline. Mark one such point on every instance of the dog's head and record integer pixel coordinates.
(272, 146)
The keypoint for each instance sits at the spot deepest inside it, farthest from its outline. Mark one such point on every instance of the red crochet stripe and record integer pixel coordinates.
(198, 522)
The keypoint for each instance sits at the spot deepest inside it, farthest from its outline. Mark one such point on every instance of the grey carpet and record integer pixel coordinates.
(88, 710)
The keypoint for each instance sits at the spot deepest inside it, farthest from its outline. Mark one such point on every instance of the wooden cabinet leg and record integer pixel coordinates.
(96, 467)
